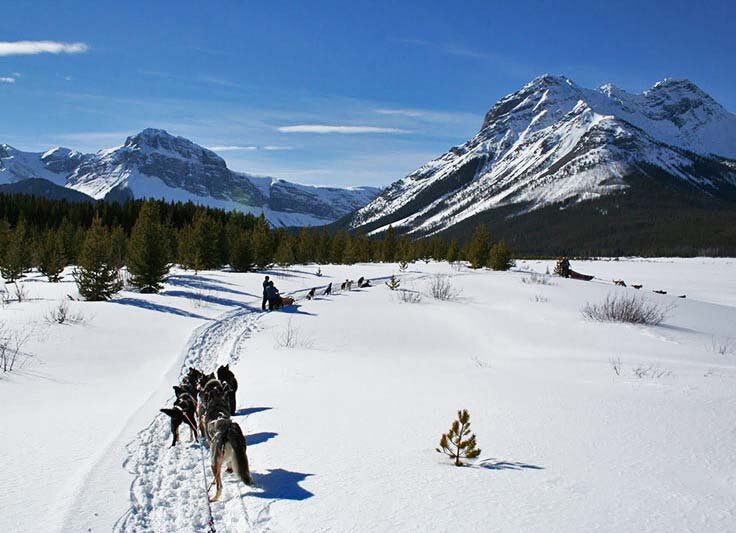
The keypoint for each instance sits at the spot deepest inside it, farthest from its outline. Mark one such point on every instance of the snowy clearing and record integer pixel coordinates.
(583, 425)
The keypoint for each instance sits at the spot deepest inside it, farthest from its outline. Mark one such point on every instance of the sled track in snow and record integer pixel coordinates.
(168, 492)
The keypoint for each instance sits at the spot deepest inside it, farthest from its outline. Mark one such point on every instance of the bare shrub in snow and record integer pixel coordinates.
(408, 296)
(616, 365)
(62, 314)
(538, 298)
(291, 337)
(12, 342)
(536, 279)
(441, 288)
(457, 266)
(650, 371)
(459, 443)
(15, 292)
(20, 292)
(624, 308)
(480, 363)
(723, 346)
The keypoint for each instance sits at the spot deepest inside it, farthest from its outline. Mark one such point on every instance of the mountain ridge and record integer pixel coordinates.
(554, 142)
(156, 164)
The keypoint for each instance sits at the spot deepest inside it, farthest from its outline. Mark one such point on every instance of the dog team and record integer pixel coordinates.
(205, 403)
(273, 298)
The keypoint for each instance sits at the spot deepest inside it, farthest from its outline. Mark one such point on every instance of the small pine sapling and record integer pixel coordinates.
(403, 265)
(459, 443)
(319, 272)
(393, 283)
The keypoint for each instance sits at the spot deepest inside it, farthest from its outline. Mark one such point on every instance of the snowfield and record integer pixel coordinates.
(342, 425)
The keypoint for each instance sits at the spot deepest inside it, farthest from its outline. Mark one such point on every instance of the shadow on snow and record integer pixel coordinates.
(493, 464)
(258, 438)
(144, 304)
(281, 484)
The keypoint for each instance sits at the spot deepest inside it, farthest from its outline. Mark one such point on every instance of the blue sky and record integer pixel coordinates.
(328, 92)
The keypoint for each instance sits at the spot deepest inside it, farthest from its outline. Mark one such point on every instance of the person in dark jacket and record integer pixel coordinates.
(265, 298)
(273, 296)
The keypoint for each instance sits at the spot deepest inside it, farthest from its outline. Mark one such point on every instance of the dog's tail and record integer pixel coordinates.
(173, 413)
(236, 441)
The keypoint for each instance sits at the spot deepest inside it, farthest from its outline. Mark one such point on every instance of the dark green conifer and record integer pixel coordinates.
(51, 256)
(97, 275)
(479, 248)
(148, 253)
(15, 259)
(500, 258)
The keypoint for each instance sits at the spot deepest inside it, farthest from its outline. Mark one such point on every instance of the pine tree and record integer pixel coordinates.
(453, 253)
(388, 246)
(458, 443)
(500, 258)
(199, 243)
(305, 247)
(241, 253)
(148, 255)
(97, 276)
(393, 283)
(337, 248)
(350, 253)
(479, 248)
(285, 253)
(16, 258)
(52, 258)
(262, 243)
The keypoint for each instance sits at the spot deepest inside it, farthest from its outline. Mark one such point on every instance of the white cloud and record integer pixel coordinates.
(7, 79)
(25, 48)
(232, 148)
(275, 148)
(402, 112)
(321, 128)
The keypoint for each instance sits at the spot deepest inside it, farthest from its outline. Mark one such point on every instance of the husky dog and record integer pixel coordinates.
(328, 290)
(310, 294)
(183, 411)
(225, 375)
(227, 445)
(225, 438)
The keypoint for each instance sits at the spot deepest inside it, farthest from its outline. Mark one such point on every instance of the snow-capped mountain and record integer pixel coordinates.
(155, 164)
(554, 142)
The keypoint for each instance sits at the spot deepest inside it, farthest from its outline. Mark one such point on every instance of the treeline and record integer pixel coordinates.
(50, 234)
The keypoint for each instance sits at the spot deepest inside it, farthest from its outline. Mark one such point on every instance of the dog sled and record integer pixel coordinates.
(577, 275)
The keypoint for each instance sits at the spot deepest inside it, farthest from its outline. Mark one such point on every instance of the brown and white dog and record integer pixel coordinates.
(224, 437)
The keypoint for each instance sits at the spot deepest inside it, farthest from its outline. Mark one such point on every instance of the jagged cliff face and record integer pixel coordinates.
(555, 142)
(156, 164)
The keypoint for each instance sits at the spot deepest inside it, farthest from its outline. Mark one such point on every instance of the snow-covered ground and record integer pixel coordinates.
(342, 427)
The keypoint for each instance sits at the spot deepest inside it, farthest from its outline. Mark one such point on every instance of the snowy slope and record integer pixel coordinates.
(155, 164)
(553, 141)
(341, 430)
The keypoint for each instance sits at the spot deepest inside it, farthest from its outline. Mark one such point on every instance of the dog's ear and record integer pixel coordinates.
(178, 391)
(173, 413)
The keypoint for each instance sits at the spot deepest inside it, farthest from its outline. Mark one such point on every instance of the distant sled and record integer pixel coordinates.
(578, 275)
